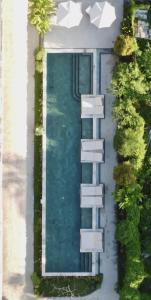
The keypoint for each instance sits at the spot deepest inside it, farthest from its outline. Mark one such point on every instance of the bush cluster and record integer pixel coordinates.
(129, 82)
(125, 45)
(128, 199)
(130, 146)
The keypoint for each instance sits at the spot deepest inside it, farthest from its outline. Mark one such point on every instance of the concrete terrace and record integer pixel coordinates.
(86, 35)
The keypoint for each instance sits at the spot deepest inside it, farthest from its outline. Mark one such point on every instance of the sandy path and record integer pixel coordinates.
(17, 153)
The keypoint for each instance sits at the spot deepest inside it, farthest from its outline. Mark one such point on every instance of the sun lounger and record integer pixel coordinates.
(92, 195)
(91, 240)
(92, 106)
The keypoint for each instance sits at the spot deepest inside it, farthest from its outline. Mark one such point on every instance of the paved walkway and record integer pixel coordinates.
(17, 153)
(108, 258)
(1, 212)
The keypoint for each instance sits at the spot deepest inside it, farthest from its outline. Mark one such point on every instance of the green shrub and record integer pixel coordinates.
(124, 174)
(127, 293)
(135, 272)
(126, 231)
(127, 25)
(145, 296)
(125, 45)
(38, 130)
(143, 43)
(128, 195)
(145, 225)
(144, 61)
(39, 14)
(36, 282)
(149, 17)
(130, 144)
(128, 82)
(126, 116)
(39, 55)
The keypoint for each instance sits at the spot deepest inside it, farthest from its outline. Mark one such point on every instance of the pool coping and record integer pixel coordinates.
(43, 200)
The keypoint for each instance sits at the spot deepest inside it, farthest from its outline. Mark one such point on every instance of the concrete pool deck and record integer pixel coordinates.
(86, 35)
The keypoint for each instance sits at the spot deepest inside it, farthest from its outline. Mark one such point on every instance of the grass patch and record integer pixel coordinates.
(50, 286)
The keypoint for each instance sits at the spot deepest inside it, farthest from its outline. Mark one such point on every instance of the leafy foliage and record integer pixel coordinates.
(144, 61)
(125, 45)
(131, 85)
(128, 82)
(124, 174)
(128, 235)
(128, 18)
(130, 144)
(145, 296)
(39, 54)
(149, 16)
(129, 294)
(128, 196)
(126, 116)
(39, 14)
(126, 231)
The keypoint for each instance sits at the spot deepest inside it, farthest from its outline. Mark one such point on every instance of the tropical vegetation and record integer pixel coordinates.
(125, 45)
(40, 12)
(131, 85)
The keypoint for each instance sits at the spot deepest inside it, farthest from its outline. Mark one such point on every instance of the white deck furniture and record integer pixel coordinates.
(91, 240)
(68, 14)
(92, 150)
(92, 106)
(92, 195)
(102, 14)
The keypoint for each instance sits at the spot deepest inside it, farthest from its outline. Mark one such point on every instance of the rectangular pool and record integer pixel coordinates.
(68, 75)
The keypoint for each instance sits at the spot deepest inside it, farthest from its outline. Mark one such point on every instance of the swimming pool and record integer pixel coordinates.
(68, 75)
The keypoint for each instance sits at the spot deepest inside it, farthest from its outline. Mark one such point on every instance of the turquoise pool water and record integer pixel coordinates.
(68, 75)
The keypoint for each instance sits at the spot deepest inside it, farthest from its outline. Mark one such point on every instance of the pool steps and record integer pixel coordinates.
(76, 61)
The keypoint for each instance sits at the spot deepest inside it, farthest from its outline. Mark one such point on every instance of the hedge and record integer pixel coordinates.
(125, 45)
